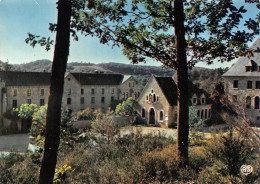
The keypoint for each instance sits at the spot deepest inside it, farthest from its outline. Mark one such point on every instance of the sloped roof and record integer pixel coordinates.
(13, 78)
(98, 78)
(168, 88)
(238, 69)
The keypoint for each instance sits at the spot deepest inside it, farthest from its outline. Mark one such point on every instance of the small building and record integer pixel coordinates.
(130, 87)
(158, 102)
(242, 83)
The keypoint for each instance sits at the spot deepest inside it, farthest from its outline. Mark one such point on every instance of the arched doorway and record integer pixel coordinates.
(152, 116)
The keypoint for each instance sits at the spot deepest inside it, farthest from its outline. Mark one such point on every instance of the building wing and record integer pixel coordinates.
(247, 66)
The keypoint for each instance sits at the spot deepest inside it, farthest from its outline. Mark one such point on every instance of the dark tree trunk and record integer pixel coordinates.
(52, 134)
(182, 84)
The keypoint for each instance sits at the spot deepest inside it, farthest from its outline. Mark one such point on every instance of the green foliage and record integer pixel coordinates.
(60, 174)
(26, 111)
(127, 107)
(86, 114)
(228, 154)
(139, 158)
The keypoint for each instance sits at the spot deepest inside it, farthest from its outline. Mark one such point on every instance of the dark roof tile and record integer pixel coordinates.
(98, 78)
(13, 78)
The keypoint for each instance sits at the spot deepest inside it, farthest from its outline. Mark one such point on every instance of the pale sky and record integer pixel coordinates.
(18, 17)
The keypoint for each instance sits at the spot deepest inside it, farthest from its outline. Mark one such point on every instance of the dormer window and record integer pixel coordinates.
(203, 100)
(248, 68)
(194, 101)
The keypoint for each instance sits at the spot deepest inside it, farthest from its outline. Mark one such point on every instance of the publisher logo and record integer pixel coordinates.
(246, 169)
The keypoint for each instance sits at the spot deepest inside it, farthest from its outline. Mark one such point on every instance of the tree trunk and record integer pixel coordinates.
(52, 134)
(182, 84)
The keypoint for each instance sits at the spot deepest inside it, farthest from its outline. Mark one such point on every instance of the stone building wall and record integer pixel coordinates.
(130, 88)
(159, 105)
(239, 95)
(23, 96)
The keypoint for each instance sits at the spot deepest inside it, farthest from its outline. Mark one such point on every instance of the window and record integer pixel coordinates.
(29, 101)
(147, 97)
(135, 96)
(235, 84)
(14, 92)
(14, 103)
(68, 101)
(154, 98)
(202, 114)
(29, 92)
(129, 84)
(198, 113)
(82, 91)
(126, 95)
(258, 118)
(123, 95)
(42, 92)
(102, 99)
(138, 94)
(161, 116)
(103, 91)
(133, 84)
(203, 100)
(69, 91)
(92, 100)
(157, 98)
(112, 98)
(235, 97)
(113, 90)
(209, 113)
(248, 102)
(42, 102)
(249, 84)
(68, 79)
(206, 113)
(194, 101)
(143, 113)
(248, 68)
(82, 100)
(257, 84)
(92, 91)
(257, 102)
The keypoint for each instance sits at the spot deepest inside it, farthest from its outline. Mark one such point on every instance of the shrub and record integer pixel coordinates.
(228, 153)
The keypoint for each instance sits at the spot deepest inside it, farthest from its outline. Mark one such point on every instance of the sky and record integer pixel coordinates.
(19, 17)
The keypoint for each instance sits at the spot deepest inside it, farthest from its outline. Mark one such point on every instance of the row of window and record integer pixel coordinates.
(195, 101)
(29, 101)
(131, 84)
(28, 92)
(152, 98)
(204, 113)
(93, 99)
(249, 84)
(160, 114)
(256, 102)
(125, 95)
(82, 91)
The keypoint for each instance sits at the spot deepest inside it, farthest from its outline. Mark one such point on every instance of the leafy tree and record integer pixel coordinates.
(128, 107)
(26, 111)
(170, 32)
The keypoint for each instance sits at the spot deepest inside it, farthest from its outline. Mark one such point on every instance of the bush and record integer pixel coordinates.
(228, 153)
